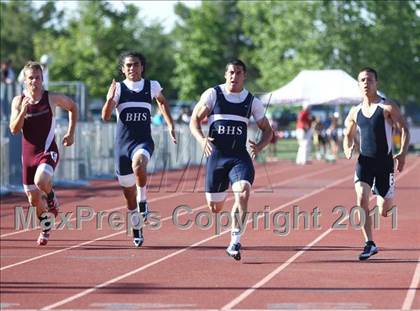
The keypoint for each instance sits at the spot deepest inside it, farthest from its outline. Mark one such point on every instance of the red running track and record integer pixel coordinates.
(303, 268)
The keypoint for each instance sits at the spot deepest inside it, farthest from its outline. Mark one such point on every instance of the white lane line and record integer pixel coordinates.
(312, 309)
(282, 170)
(130, 273)
(272, 274)
(411, 292)
(107, 210)
(123, 231)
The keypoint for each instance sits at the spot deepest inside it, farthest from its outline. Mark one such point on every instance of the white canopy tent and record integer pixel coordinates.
(314, 87)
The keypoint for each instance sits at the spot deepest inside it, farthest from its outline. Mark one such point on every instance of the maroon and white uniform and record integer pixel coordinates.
(38, 143)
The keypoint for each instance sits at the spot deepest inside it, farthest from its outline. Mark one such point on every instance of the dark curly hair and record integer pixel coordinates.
(138, 55)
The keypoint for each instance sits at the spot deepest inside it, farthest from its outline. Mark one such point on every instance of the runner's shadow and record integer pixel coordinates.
(296, 248)
(23, 288)
(133, 288)
(128, 288)
(370, 261)
(245, 262)
(150, 247)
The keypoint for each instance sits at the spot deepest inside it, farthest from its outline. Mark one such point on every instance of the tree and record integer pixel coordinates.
(395, 47)
(89, 47)
(284, 39)
(290, 36)
(20, 22)
(207, 37)
(382, 35)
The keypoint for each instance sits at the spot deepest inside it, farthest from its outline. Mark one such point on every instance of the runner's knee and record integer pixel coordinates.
(363, 202)
(362, 194)
(215, 201)
(34, 199)
(41, 183)
(216, 207)
(241, 190)
(384, 205)
(139, 169)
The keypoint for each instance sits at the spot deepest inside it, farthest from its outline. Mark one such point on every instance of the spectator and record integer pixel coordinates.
(332, 134)
(185, 116)
(6, 91)
(304, 135)
(7, 72)
(158, 118)
(319, 138)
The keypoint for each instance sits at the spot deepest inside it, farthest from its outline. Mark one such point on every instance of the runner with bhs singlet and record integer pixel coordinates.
(132, 99)
(229, 107)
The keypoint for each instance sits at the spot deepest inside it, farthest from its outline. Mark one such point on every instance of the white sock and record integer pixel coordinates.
(141, 194)
(235, 236)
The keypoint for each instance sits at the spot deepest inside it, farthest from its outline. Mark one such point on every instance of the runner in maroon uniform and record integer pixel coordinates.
(33, 113)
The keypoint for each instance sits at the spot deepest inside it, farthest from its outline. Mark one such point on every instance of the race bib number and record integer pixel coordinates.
(54, 156)
(391, 180)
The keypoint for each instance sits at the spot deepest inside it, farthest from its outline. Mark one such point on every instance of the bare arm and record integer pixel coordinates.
(199, 113)
(267, 135)
(349, 133)
(18, 113)
(399, 121)
(69, 105)
(164, 108)
(109, 103)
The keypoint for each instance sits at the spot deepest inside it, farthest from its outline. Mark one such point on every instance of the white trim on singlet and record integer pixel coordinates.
(360, 138)
(388, 128)
(358, 108)
(50, 136)
(230, 117)
(122, 106)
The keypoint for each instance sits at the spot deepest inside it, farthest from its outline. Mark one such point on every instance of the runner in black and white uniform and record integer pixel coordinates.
(375, 165)
(228, 108)
(132, 99)
(374, 118)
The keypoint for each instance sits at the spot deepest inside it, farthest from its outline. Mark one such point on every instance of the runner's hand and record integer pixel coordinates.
(207, 146)
(111, 90)
(24, 104)
(68, 140)
(400, 161)
(348, 151)
(173, 135)
(255, 150)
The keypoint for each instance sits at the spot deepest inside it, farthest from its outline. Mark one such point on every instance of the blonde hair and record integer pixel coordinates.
(32, 65)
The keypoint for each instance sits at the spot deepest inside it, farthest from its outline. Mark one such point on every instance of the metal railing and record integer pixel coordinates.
(92, 155)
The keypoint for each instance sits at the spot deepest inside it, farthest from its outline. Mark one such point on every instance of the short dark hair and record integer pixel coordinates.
(126, 54)
(236, 62)
(32, 65)
(371, 70)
